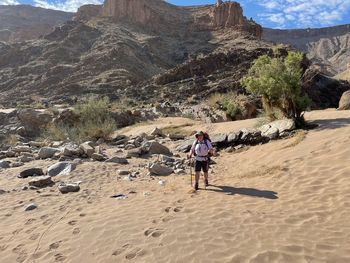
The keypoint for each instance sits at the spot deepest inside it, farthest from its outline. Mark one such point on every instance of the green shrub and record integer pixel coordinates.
(279, 82)
(231, 103)
(95, 121)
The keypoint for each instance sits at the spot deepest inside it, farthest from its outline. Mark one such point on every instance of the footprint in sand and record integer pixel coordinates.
(136, 252)
(82, 215)
(72, 223)
(178, 209)
(44, 217)
(55, 245)
(34, 236)
(119, 251)
(167, 219)
(3, 247)
(59, 257)
(153, 232)
(167, 209)
(76, 231)
(22, 257)
(30, 221)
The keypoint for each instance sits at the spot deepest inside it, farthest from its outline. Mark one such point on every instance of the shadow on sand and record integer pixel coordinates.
(229, 190)
(330, 124)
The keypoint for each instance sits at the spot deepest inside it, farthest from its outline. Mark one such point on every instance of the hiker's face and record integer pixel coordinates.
(200, 137)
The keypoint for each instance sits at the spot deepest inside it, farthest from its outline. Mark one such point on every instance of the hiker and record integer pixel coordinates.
(202, 149)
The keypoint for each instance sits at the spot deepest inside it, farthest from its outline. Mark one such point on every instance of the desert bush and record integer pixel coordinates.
(279, 82)
(95, 121)
(231, 103)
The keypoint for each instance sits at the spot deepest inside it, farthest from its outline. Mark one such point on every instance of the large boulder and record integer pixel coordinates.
(160, 170)
(31, 172)
(284, 126)
(87, 148)
(47, 152)
(4, 164)
(219, 139)
(344, 103)
(269, 131)
(185, 146)
(41, 181)
(71, 150)
(61, 168)
(250, 136)
(34, 120)
(154, 147)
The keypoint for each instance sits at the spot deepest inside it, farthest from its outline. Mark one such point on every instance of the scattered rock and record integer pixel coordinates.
(65, 188)
(10, 154)
(61, 168)
(36, 144)
(123, 172)
(166, 159)
(162, 183)
(153, 147)
(2, 192)
(133, 153)
(47, 152)
(179, 171)
(71, 150)
(284, 126)
(22, 149)
(185, 146)
(233, 137)
(157, 169)
(41, 181)
(87, 148)
(30, 207)
(344, 103)
(31, 172)
(219, 139)
(25, 188)
(250, 136)
(119, 196)
(98, 157)
(269, 131)
(176, 137)
(4, 164)
(119, 160)
(26, 158)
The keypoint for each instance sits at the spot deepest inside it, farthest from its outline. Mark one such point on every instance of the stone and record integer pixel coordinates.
(269, 131)
(26, 158)
(157, 132)
(219, 139)
(233, 137)
(30, 207)
(41, 181)
(119, 196)
(4, 164)
(71, 150)
(61, 168)
(22, 149)
(123, 172)
(185, 146)
(36, 144)
(166, 159)
(157, 169)
(65, 188)
(31, 172)
(344, 103)
(98, 157)
(133, 153)
(2, 192)
(250, 136)
(119, 160)
(47, 152)
(33, 120)
(87, 148)
(179, 171)
(154, 147)
(283, 126)
(10, 154)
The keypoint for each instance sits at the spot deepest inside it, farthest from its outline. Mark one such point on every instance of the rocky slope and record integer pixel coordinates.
(24, 22)
(328, 48)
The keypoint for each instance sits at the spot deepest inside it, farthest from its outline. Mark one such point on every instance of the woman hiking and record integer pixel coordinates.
(202, 149)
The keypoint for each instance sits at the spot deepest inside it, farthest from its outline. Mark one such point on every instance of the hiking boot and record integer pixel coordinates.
(196, 187)
(206, 182)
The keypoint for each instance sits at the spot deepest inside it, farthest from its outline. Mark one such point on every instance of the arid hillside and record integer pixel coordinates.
(24, 22)
(328, 48)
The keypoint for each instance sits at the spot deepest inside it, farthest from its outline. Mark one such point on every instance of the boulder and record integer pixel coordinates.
(41, 181)
(87, 148)
(71, 150)
(4, 164)
(166, 159)
(250, 136)
(136, 152)
(176, 137)
(284, 126)
(344, 103)
(154, 147)
(65, 188)
(233, 137)
(119, 160)
(33, 120)
(47, 152)
(26, 158)
(61, 168)
(31, 172)
(123, 172)
(160, 170)
(185, 146)
(219, 139)
(269, 131)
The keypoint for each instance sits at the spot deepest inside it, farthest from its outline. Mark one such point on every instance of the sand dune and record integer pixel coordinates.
(286, 201)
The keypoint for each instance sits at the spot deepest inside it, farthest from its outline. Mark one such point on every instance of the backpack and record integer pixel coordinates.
(206, 139)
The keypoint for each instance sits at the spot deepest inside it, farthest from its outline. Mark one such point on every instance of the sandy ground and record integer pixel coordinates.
(279, 202)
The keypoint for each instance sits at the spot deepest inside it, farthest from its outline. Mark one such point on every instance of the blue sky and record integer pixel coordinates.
(269, 13)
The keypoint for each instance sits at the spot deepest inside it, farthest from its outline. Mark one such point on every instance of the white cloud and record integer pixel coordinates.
(68, 5)
(9, 2)
(303, 13)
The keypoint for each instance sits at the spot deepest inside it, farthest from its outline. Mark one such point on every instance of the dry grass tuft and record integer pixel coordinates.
(178, 129)
(297, 138)
(261, 172)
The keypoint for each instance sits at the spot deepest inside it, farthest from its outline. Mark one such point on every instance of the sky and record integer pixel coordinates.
(269, 13)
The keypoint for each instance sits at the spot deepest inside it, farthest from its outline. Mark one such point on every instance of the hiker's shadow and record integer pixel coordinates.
(229, 190)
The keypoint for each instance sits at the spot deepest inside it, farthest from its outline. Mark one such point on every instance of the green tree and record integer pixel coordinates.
(279, 81)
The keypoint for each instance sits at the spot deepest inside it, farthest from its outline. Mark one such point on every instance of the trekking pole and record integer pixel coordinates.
(191, 163)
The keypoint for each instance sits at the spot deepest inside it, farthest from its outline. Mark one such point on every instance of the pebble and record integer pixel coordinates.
(30, 207)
